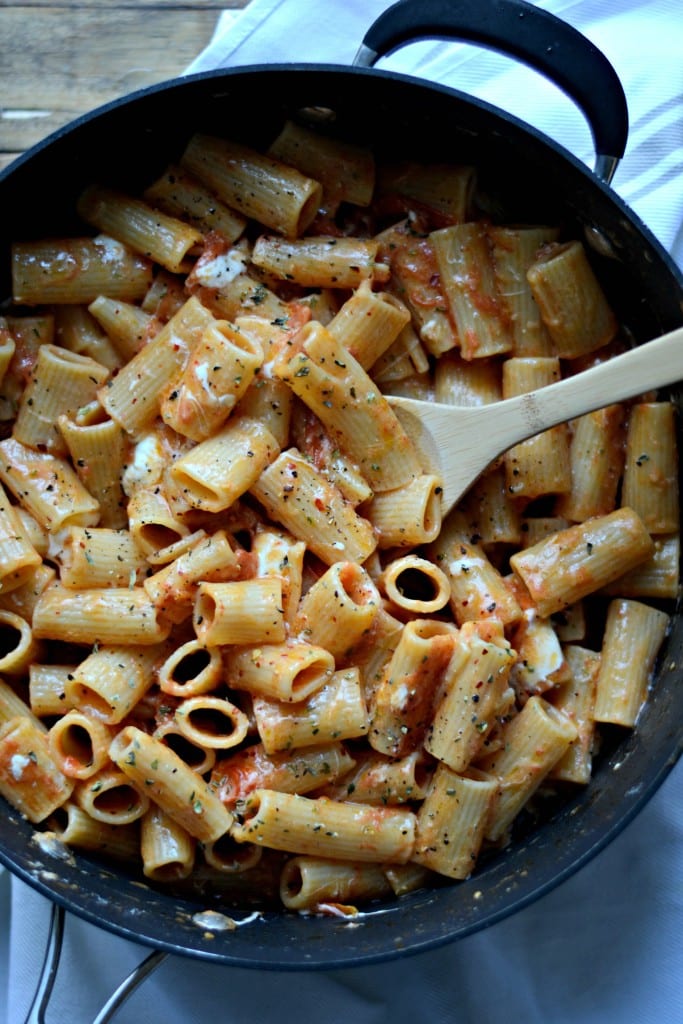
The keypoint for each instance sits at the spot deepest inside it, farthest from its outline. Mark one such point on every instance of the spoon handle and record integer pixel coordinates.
(641, 369)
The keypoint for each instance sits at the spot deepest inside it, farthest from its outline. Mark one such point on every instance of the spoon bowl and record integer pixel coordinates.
(457, 443)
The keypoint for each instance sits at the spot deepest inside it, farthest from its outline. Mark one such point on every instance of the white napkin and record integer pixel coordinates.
(603, 948)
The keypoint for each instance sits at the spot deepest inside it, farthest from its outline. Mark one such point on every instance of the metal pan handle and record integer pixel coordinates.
(532, 36)
(48, 976)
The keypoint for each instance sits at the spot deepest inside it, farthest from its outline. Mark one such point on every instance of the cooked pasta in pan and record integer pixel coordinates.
(238, 636)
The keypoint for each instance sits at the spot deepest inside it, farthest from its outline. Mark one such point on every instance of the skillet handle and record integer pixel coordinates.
(531, 35)
(48, 976)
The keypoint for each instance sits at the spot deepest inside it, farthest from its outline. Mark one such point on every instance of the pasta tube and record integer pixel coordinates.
(181, 195)
(307, 883)
(378, 779)
(295, 494)
(408, 516)
(226, 856)
(633, 635)
(256, 186)
(100, 557)
(167, 850)
(12, 706)
(18, 556)
(128, 326)
(199, 758)
(401, 707)
(335, 710)
(650, 485)
(452, 820)
(416, 585)
(8, 347)
(285, 672)
(153, 234)
(191, 670)
(97, 452)
(30, 780)
(77, 270)
(279, 555)
(46, 689)
(478, 589)
(345, 171)
(74, 827)
(596, 456)
(459, 381)
(416, 280)
(322, 827)
(469, 700)
(78, 331)
(107, 615)
(110, 681)
(320, 262)
(213, 722)
(18, 645)
(572, 303)
(514, 250)
(346, 400)
(47, 487)
(133, 397)
(338, 609)
(368, 323)
(534, 741)
(181, 793)
(446, 189)
(657, 577)
(573, 563)
(575, 697)
(221, 368)
(216, 472)
(301, 771)
(61, 382)
(541, 464)
(152, 521)
(79, 744)
(468, 280)
(108, 796)
(241, 612)
(173, 588)
(490, 511)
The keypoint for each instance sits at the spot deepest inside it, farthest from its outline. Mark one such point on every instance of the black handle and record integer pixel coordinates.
(531, 35)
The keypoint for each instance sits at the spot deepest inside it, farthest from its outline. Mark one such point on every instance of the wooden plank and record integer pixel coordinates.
(90, 55)
(58, 62)
(213, 5)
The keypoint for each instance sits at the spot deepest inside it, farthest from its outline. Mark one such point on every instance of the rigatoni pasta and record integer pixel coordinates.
(240, 644)
(29, 776)
(259, 187)
(77, 270)
(61, 383)
(159, 237)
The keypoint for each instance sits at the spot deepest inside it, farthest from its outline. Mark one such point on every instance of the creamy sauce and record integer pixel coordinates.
(213, 921)
(221, 270)
(146, 466)
(51, 845)
(18, 762)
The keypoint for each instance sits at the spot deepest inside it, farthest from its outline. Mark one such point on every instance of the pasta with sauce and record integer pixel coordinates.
(238, 639)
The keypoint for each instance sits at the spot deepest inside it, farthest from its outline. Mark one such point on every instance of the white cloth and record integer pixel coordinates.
(603, 948)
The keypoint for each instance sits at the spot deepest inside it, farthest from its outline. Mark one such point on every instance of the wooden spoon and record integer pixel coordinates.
(458, 442)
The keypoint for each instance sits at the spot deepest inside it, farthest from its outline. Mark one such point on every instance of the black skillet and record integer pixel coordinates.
(528, 178)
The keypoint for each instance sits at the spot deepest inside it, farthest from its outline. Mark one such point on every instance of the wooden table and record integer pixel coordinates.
(57, 62)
